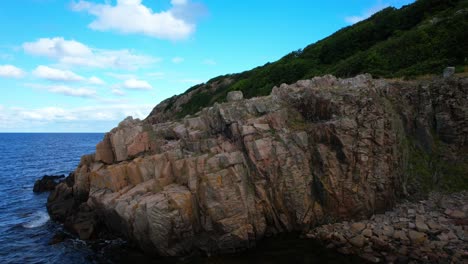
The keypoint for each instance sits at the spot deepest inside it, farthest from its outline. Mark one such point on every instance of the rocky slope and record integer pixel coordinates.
(430, 231)
(312, 152)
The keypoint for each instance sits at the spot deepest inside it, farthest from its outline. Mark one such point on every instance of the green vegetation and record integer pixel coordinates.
(421, 38)
(429, 171)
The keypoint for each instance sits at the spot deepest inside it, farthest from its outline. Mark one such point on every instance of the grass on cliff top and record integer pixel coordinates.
(418, 39)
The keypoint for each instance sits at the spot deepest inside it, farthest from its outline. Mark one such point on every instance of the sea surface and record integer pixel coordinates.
(26, 229)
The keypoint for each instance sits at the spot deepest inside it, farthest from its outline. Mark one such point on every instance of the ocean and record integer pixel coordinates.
(26, 229)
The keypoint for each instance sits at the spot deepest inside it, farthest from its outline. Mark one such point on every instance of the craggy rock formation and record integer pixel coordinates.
(47, 183)
(312, 152)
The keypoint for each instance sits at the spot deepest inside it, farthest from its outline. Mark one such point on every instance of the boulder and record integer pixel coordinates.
(357, 227)
(234, 96)
(358, 241)
(449, 72)
(417, 237)
(47, 183)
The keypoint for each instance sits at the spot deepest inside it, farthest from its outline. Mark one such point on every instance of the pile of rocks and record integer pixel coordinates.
(433, 230)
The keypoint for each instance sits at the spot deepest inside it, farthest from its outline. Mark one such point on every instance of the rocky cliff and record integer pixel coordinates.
(312, 152)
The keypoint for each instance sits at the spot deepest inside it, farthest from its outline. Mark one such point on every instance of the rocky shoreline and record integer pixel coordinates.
(318, 151)
(430, 231)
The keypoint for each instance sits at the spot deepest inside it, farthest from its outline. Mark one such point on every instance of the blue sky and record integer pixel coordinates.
(83, 66)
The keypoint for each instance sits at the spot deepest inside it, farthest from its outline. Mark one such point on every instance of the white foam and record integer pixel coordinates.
(37, 219)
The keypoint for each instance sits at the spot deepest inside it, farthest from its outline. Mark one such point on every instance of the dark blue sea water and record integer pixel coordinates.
(26, 230)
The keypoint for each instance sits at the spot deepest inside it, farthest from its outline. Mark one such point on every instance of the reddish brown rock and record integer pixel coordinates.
(104, 151)
(225, 177)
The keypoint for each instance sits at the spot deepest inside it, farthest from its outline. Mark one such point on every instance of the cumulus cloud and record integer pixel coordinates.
(46, 114)
(117, 91)
(137, 84)
(132, 16)
(53, 74)
(74, 53)
(95, 80)
(177, 60)
(57, 48)
(77, 92)
(59, 118)
(66, 90)
(10, 71)
(58, 75)
(108, 112)
(367, 13)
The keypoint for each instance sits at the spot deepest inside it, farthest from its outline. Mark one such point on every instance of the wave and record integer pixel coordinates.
(37, 219)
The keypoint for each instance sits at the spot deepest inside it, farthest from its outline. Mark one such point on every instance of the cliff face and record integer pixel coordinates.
(312, 152)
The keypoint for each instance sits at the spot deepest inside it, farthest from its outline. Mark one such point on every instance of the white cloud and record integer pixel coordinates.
(11, 116)
(74, 53)
(76, 92)
(58, 75)
(63, 118)
(131, 16)
(209, 62)
(367, 13)
(57, 48)
(118, 92)
(10, 71)
(66, 90)
(177, 60)
(53, 74)
(46, 114)
(137, 84)
(95, 80)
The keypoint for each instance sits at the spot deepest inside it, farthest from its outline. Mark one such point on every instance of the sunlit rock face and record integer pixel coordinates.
(218, 181)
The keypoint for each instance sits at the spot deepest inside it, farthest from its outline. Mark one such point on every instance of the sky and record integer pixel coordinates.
(83, 66)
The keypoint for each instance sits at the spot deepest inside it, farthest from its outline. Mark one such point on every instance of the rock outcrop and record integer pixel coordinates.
(316, 151)
(47, 183)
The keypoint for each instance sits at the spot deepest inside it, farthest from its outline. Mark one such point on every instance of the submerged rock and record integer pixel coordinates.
(224, 178)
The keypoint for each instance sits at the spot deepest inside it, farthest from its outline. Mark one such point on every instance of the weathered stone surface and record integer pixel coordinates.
(420, 224)
(234, 96)
(357, 241)
(227, 176)
(417, 237)
(47, 183)
(104, 151)
(456, 214)
(357, 227)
